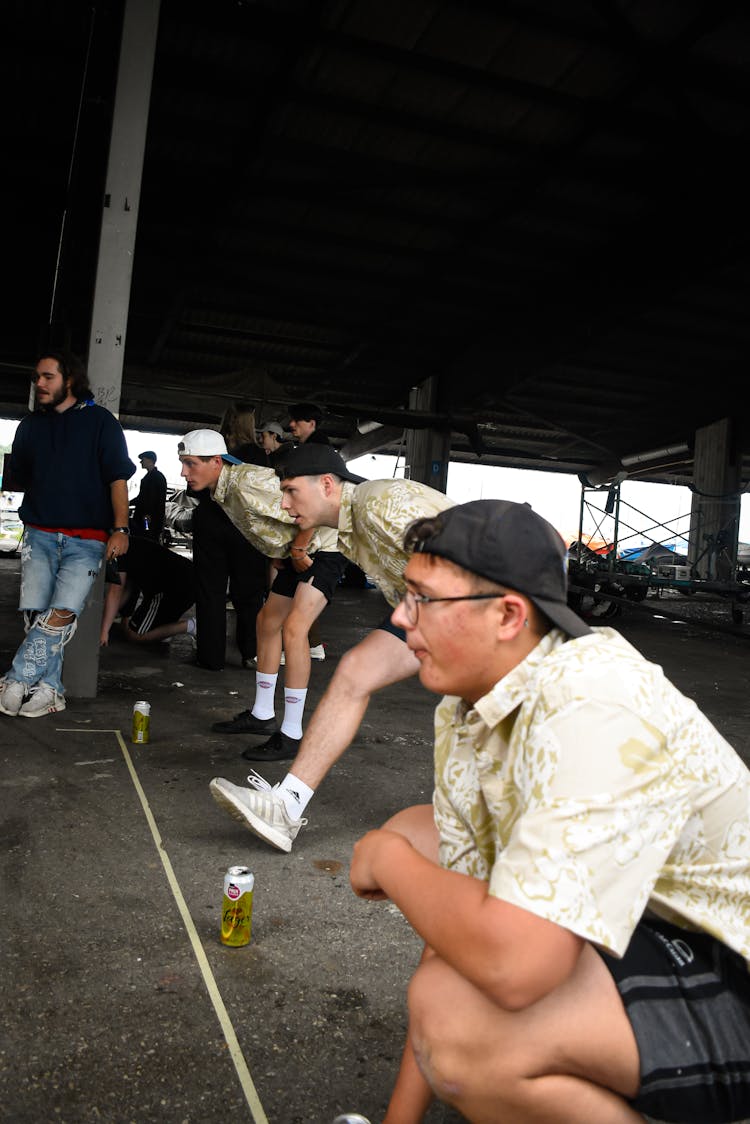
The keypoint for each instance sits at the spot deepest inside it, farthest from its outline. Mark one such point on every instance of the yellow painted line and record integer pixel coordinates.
(246, 1081)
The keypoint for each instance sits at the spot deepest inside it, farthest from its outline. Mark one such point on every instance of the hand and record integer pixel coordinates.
(300, 562)
(117, 544)
(366, 851)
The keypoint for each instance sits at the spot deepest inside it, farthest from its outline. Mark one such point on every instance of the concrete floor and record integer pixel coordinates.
(121, 1005)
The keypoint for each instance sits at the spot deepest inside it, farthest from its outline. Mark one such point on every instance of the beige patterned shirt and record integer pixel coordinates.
(586, 789)
(251, 497)
(372, 521)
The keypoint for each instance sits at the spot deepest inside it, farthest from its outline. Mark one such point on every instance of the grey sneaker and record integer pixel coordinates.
(12, 694)
(259, 808)
(42, 700)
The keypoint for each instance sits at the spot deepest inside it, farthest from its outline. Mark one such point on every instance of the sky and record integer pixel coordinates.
(555, 496)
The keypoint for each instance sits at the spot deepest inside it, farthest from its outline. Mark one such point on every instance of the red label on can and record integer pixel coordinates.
(233, 891)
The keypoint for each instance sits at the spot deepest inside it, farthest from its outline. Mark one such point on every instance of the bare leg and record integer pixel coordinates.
(378, 661)
(307, 605)
(161, 632)
(270, 621)
(570, 1058)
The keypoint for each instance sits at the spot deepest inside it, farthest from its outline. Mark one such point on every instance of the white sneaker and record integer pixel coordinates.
(12, 694)
(259, 808)
(42, 700)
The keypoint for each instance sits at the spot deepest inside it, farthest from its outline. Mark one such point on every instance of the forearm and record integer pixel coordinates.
(513, 956)
(112, 600)
(118, 542)
(118, 491)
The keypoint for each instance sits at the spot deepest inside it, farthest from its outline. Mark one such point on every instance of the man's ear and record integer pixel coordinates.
(512, 615)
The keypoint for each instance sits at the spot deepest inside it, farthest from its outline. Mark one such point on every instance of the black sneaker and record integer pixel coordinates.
(246, 723)
(279, 747)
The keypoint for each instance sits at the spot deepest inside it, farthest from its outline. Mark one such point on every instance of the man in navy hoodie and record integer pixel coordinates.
(70, 459)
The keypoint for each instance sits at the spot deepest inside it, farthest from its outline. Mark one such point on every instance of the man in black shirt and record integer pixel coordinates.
(148, 513)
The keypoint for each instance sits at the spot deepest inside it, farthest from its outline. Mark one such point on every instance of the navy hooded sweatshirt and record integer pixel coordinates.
(65, 462)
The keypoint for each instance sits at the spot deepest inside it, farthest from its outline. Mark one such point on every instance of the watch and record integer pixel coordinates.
(122, 530)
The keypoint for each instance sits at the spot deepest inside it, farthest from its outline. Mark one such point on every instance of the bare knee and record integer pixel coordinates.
(57, 619)
(449, 1046)
(352, 674)
(296, 629)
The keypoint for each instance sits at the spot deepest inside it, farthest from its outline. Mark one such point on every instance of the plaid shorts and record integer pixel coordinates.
(687, 996)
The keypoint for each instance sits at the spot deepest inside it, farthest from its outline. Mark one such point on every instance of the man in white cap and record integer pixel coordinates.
(309, 571)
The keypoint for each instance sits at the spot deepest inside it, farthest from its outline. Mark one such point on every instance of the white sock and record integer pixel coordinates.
(295, 794)
(294, 705)
(265, 688)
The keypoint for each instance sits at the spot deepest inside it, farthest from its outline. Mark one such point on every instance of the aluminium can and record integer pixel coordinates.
(141, 723)
(237, 907)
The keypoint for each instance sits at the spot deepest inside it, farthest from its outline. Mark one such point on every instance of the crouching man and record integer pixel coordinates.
(582, 879)
(70, 459)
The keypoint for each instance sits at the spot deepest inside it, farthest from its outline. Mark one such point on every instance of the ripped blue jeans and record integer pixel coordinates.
(57, 572)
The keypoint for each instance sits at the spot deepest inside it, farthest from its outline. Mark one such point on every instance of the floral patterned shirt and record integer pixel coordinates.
(586, 789)
(372, 521)
(251, 497)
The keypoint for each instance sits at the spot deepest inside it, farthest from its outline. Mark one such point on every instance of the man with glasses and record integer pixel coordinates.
(371, 518)
(582, 878)
(70, 459)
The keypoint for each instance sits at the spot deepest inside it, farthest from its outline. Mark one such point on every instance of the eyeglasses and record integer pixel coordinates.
(412, 601)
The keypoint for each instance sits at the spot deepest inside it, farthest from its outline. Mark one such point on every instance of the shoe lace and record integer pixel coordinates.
(259, 782)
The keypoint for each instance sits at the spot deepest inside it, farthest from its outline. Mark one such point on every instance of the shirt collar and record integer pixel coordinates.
(346, 519)
(512, 690)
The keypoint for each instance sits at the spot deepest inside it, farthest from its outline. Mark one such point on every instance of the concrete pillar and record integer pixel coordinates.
(715, 511)
(428, 450)
(121, 199)
(113, 276)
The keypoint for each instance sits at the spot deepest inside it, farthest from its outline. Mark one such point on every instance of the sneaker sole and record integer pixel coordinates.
(248, 819)
(10, 713)
(41, 713)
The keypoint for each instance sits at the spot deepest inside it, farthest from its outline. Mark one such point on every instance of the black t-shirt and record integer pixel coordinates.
(156, 569)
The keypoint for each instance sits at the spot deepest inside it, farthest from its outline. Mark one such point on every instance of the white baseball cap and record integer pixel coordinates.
(205, 443)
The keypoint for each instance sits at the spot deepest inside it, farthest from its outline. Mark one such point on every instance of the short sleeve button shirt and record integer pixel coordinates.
(586, 788)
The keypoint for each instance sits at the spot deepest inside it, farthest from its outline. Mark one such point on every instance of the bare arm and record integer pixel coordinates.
(513, 956)
(113, 598)
(118, 543)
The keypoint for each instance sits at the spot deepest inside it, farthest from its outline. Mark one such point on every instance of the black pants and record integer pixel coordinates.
(222, 554)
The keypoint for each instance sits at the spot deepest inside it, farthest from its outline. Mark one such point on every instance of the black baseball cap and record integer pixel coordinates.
(149, 453)
(314, 460)
(509, 544)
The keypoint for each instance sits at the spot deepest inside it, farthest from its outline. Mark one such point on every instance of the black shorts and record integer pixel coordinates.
(688, 1000)
(152, 610)
(387, 625)
(325, 574)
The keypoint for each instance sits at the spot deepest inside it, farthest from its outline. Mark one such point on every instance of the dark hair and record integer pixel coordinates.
(71, 367)
(306, 411)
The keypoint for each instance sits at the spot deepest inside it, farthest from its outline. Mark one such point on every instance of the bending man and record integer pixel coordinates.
(370, 519)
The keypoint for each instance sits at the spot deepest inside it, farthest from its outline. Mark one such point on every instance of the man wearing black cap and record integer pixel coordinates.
(582, 878)
(148, 512)
(370, 518)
